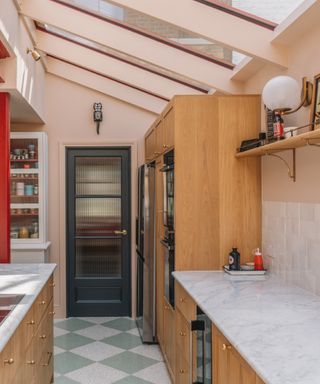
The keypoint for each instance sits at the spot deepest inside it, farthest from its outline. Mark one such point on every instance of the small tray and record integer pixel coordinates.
(244, 272)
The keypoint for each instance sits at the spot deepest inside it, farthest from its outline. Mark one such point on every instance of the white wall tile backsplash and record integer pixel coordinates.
(291, 242)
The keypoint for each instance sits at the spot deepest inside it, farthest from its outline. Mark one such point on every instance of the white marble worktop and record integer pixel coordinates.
(273, 325)
(26, 279)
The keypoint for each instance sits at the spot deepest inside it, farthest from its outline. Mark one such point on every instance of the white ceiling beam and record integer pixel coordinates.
(108, 66)
(247, 68)
(136, 45)
(298, 23)
(108, 87)
(221, 27)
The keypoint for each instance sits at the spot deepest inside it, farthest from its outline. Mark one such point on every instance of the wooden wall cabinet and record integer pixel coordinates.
(28, 355)
(229, 366)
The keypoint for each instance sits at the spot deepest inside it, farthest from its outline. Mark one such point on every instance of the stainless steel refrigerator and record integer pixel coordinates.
(146, 254)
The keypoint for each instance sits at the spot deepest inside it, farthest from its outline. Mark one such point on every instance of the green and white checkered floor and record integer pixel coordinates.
(105, 351)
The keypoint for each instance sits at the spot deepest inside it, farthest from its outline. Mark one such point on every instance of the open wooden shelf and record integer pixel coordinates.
(301, 140)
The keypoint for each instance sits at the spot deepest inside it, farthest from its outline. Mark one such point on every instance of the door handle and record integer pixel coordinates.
(123, 232)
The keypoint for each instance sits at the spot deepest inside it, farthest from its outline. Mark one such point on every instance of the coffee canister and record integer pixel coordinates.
(20, 189)
(28, 189)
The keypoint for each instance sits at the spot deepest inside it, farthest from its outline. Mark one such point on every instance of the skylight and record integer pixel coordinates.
(272, 10)
(124, 57)
(155, 27)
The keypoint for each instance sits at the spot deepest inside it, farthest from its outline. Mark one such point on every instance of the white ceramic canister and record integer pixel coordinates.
(20, 189)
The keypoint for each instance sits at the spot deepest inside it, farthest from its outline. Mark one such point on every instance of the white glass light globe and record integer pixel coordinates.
(281, 92)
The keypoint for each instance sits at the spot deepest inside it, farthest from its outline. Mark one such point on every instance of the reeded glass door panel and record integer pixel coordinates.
(98, 216)
(98, 258)
(98, 176)
(98, 232)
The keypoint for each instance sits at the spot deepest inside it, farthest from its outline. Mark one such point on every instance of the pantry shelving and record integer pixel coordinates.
(28, 196)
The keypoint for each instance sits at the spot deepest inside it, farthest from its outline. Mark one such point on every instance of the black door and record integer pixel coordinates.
(98, 232)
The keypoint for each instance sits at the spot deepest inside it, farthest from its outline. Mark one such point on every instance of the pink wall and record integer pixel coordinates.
(69, 122)
(304, 60)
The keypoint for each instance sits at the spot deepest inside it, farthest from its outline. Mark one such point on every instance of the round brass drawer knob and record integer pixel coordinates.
(52, 313)
(42, 302)
(8, 361)
(43, 337)
(31, 322)
(182, 300)
(182, 371)
(31, 362)
(182, 333)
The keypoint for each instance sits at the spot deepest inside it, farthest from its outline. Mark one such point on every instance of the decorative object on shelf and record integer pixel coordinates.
(234, 260)
(315, 108)
(97, 115)
(283, 96)
(34, 53)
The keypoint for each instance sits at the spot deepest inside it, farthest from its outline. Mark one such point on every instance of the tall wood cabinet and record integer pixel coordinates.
(217, 197)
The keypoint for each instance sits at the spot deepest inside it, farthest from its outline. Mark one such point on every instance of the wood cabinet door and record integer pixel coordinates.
(221, 364)
(150, 142)
(229, 366)
(159, 132)
(159, 251)
(169, 336)
(168, 128)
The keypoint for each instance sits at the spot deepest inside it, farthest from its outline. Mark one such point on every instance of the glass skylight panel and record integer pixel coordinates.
(160, 28)
(124, 57)
(272, 10)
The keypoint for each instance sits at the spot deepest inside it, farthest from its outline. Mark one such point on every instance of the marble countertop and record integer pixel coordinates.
(273, 325)
(26, 279)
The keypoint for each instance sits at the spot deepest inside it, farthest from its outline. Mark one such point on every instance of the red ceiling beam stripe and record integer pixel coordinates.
(3, 51)
(205, 91)
(239, 13)
(150, 35)
(5, 178)
(109, 78)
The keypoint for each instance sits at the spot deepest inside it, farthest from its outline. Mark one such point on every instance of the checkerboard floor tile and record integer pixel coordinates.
(97, 350)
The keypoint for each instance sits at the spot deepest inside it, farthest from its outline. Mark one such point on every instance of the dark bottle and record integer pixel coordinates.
(234, 260)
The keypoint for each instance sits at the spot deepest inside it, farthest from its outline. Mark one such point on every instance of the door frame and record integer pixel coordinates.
(60, 274)
(127, 218)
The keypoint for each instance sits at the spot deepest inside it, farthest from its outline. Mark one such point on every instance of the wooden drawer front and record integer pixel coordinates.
(29, 325)
(182, 371)
(185, 303)
(183, 333)
(42, 301)
(45, 331)
(8, 365)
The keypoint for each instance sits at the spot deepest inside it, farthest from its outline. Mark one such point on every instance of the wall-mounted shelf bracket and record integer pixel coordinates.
(291, 170)
(309, 142)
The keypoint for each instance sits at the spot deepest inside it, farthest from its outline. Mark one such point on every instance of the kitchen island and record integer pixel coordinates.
(274, 326)
(26, 333)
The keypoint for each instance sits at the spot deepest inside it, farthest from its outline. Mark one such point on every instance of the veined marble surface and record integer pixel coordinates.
(275, 326)
(26, 279)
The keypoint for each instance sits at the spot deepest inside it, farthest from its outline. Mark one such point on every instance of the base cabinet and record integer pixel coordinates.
(28, 355)
(229, 367)
(185, 371)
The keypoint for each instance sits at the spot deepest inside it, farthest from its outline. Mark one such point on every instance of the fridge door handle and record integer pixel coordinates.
(198, 326)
